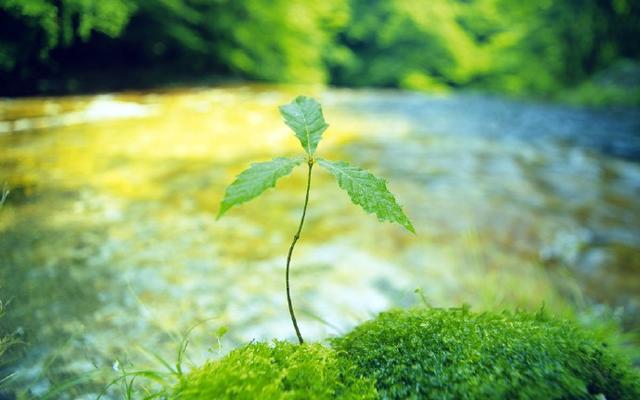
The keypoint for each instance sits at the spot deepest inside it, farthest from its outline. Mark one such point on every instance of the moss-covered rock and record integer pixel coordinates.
(279, 371)
(455, 354)
(426, 354)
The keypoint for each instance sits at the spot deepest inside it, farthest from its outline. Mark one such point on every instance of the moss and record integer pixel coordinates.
(455, 354)
(281, 371)
(426, 354)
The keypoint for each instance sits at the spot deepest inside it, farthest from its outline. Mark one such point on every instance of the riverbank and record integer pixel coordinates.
(617, 87)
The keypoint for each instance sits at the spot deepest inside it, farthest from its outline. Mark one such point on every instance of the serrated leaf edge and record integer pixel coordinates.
(409, 225)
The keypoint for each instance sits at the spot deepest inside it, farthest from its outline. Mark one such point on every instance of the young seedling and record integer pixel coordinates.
(304, 116)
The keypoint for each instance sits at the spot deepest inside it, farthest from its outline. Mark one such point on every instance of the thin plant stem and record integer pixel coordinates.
(293, 243)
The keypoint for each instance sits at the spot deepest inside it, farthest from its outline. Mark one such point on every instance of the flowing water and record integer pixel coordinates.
(109, 248)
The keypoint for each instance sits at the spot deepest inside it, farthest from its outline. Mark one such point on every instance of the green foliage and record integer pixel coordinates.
(592, 94)
(368, 191)
(304, 116)
(278, 41)
(518, 47)
(456, 354)
(31, 29)
(410, 43)
(281, 40)
(255, 180)
(281, 371)
(618, 85)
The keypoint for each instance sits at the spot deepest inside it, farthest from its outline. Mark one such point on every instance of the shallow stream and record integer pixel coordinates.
(109, 246)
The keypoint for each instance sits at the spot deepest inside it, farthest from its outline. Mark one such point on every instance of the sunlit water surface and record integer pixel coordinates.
(109, 246)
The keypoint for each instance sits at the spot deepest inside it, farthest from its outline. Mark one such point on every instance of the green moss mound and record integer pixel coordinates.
(279, 371)
(426, 354)
(455, 354)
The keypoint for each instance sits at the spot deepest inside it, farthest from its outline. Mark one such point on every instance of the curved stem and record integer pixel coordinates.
(293, 243)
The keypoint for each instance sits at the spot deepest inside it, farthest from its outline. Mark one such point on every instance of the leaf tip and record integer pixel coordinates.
(221, 211)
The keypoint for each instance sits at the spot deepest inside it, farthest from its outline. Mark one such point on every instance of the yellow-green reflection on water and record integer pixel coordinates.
(109, 240)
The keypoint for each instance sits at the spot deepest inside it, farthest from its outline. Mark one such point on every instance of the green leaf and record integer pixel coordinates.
(368, 191)
(304, 116)
(255, 180)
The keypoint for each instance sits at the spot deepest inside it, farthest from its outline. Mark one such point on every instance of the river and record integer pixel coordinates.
(109, 247)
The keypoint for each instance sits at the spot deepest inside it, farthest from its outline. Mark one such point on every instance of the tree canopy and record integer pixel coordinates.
(501, 45)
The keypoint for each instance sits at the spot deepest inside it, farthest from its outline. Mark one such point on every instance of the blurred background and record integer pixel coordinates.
(509, 131)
